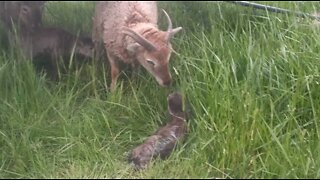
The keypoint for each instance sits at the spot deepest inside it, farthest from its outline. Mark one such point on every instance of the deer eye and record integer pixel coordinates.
(25, 9)
(150, 62)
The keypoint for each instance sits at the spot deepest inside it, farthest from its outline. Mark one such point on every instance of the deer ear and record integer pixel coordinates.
(133, 48)
(174, 31)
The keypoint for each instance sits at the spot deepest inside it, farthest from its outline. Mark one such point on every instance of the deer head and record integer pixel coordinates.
(30, 14)
(175, 103)
(85, 47)
(152, 49)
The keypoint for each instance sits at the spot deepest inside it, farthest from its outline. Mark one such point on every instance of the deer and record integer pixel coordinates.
(24, 15)
(20, 19)
(166, 138)
(54, 43)
(129, 32)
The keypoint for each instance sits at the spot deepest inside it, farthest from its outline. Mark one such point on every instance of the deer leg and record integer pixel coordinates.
(54, 58)
(54, 74)
(114, 71)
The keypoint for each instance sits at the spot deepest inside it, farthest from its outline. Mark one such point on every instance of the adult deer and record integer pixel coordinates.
(129, 31)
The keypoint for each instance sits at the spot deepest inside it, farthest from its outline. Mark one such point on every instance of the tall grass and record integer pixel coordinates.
(252, 78)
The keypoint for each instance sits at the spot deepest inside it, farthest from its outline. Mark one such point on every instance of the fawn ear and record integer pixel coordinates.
(132, 48)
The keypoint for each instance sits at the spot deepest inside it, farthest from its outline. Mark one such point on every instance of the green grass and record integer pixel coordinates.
(252, 78)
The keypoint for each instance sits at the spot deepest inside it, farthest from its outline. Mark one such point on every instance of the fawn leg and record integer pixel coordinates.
(55, 58)
(53, 70)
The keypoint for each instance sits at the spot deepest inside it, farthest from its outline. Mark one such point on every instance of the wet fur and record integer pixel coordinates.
(166, 138)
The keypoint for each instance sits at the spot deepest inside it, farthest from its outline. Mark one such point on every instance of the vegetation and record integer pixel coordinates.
(251, 76)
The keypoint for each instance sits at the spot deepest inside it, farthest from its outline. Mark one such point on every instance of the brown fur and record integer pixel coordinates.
(166, 138)
(110, 20)
(26, 15)
(55, 42)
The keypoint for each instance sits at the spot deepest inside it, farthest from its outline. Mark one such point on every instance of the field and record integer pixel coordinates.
(252, 78)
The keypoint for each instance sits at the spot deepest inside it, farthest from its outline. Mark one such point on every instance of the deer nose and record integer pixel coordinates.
(166, 83)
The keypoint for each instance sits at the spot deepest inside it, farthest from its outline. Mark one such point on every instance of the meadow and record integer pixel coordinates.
(252, 78)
